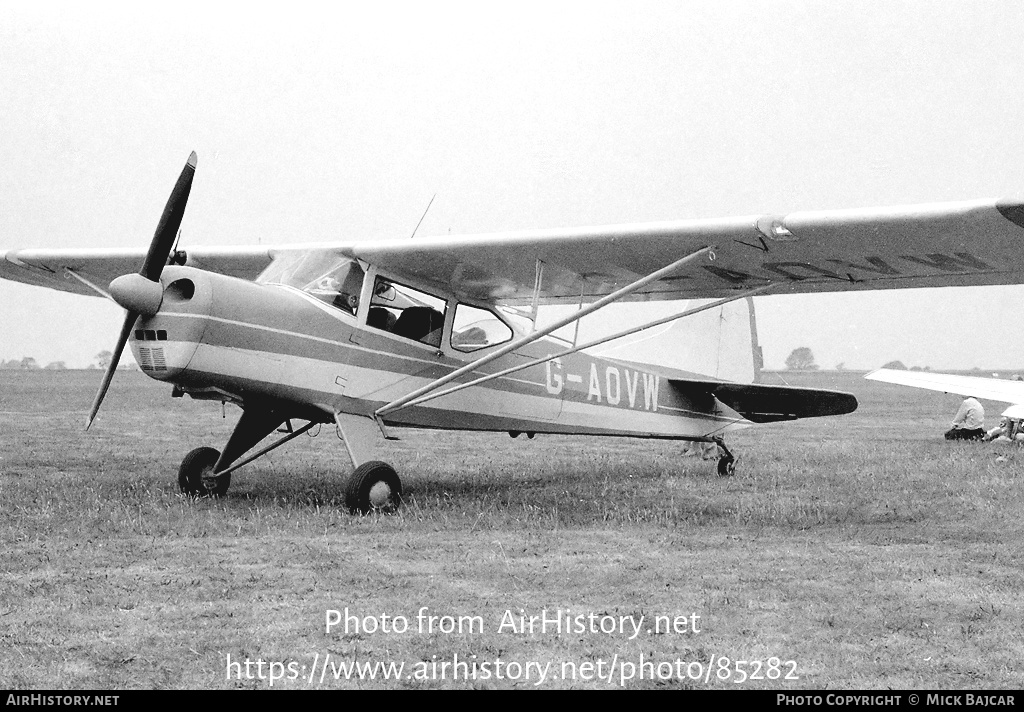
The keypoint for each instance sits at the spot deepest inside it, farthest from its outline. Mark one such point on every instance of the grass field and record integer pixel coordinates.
(864, 548)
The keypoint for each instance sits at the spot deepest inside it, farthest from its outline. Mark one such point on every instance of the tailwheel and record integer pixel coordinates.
(373, 487)
(727, 462)
(196, 478)
(726, 466)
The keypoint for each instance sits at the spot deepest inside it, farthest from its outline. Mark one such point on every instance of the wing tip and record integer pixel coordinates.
(193, 159)
(1012, 210)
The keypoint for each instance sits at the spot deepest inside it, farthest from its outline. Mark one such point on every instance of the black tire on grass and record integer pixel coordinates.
(373, 487)
(196, 478)
(726, 466)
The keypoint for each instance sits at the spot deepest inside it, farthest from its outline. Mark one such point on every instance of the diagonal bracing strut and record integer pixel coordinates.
(99, 290)
(529, 339)
(273, 446)
(590, 345)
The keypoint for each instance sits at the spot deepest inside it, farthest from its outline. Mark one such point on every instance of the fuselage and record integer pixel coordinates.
(226, 338)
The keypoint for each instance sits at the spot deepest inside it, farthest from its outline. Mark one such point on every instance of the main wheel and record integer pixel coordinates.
(196, 478)
(726, 466)
(373, 486)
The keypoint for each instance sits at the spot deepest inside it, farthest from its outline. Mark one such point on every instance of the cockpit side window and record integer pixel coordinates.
(407, 312)
(475, 328)
(339, 286)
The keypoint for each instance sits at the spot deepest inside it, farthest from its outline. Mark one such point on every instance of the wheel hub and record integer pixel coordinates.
(208, 479)
(380, 494)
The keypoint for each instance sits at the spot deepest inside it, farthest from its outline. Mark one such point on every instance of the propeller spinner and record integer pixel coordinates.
(141, 294)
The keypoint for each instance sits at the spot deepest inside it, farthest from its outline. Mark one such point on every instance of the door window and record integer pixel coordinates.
(475, 328)
(407, 312)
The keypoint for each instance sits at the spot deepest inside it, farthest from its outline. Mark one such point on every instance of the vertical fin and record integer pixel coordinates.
(719, 343)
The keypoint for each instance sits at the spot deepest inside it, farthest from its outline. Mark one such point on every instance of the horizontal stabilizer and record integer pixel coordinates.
(767, 404)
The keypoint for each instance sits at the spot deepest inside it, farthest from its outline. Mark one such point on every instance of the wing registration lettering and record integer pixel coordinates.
(732, 276)
(781, 268)
(864, 270)
(877, 265)
(617, 383)
(959, 262)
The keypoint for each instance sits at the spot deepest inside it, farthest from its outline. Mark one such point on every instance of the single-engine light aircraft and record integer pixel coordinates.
(442, 332)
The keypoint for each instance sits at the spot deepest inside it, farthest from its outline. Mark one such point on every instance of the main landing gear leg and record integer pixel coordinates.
(207, 473)
(727, 462)
(374, 486)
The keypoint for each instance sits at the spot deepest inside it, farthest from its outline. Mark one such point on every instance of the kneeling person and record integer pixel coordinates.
(969, 423)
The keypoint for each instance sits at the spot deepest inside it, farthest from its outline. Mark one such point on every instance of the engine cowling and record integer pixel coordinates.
(163, 344)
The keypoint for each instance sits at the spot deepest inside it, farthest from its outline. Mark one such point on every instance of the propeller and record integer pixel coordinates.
(141, 294)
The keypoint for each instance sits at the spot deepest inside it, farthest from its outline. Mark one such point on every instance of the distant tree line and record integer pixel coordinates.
(900, 366)
(802, 359)
(28, 363)
(24, 364)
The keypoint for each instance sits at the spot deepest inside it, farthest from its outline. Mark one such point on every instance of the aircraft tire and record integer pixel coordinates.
(373, 487)
(196, 478)
(726, 466)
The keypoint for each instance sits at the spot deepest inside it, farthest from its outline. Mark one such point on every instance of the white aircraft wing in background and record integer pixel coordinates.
(996, 389)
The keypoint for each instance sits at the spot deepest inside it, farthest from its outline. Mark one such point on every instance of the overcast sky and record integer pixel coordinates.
(340, 121)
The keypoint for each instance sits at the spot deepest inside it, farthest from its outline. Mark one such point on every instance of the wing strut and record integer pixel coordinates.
(592, 344)
(529, 339)
(537, 284)
(99, 290)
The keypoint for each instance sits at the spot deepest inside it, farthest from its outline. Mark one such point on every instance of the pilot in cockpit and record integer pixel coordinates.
(340, 287)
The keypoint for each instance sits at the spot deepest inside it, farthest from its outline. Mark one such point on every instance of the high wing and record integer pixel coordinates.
(53, 268)
(961, 244)
(995, 389)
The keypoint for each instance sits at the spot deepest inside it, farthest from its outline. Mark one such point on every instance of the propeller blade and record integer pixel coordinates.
(170, 221)
(160, 248)
(126, 330)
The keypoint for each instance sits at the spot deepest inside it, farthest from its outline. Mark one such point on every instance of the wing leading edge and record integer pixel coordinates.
(961, 244)
(947, 244)
(50, 267)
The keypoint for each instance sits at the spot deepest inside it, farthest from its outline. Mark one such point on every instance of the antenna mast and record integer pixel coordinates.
(423, 216)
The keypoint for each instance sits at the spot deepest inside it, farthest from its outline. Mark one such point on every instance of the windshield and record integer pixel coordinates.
(331, 278)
